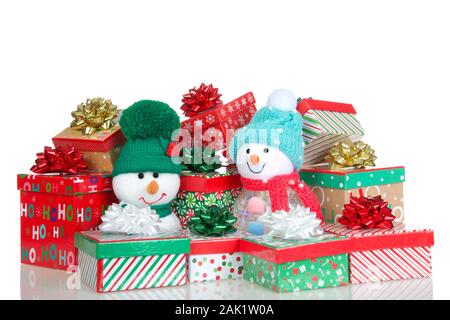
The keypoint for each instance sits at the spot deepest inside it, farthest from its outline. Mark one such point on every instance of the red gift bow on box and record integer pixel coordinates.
(199, 100)
(62, 159)
(366, 212)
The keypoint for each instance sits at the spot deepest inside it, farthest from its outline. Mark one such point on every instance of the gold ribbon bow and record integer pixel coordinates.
(93, 115)
(350, 154)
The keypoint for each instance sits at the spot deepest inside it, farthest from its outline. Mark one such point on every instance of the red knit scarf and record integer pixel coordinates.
(278, 187)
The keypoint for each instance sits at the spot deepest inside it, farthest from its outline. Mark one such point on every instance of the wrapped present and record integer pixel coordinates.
(397, 253)
(324, 124)
(94, 132)
(215, 258)
(215, 120)
(53, 208)
(334, 187)
(117, 262)
(288, 265)
(201, 190)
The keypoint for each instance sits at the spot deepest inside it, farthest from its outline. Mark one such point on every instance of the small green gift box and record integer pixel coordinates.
(290, 265)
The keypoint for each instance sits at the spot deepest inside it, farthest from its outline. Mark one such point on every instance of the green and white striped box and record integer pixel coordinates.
(326, 123)
(116, 262)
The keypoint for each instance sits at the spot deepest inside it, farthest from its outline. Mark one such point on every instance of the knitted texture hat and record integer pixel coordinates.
(277, 125)
(147, 125)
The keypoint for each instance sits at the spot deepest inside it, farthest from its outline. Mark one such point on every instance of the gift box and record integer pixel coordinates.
(288, 265)
(230, 116)
(53, 208)
(215, 258)
(116, 262)
(398, 253)
(326, 123)
(100, 148)
(201, 190)
(334, 187)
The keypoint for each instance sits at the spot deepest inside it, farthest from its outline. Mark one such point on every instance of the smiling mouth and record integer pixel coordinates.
(150, 203)
(256, 171)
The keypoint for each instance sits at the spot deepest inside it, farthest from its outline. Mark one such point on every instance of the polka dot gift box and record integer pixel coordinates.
(52, 208)
(289, 266)
(333, 187)
(215, 258)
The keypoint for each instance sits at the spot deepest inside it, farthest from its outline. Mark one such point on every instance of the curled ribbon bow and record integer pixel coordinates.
(63, 159)
(366, 212)
(213, 221)
(200, 99)
(351, 154)
(93, 115)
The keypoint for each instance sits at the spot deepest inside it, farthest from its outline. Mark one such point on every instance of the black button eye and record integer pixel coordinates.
(141, 176)
(155, 175)
(266, 150)
(248, 150)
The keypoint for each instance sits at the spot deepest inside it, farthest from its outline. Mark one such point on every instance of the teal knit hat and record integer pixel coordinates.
(147, 125)
(277, 125)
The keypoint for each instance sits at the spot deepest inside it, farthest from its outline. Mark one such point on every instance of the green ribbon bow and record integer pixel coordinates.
(200, 159)
(214, 221)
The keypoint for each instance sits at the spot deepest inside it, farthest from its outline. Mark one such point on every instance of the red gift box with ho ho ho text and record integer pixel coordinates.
(53, 208)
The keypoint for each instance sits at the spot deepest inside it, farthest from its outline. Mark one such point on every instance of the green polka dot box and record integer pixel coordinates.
(291, 265)
(215, 258)
(111, 262)
(334, 187)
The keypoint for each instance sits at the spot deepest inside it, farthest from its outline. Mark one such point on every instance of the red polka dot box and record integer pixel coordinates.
(215, 258)
(291, 265)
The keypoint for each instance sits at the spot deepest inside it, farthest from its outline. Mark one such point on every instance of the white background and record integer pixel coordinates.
(390, 59)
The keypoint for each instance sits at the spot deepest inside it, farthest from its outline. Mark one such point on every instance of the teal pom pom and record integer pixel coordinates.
(149, 119)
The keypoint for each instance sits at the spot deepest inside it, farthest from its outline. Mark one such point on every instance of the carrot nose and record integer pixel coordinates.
(254, 159)
(152, 187)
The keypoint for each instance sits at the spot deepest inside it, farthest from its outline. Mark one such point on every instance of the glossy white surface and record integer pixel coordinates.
(41, 283)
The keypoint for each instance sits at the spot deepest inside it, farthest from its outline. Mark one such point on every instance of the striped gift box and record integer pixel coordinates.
(326, 123)
(387, 254)
(116, 262)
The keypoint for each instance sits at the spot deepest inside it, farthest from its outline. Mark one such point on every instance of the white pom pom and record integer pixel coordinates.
(282, 99)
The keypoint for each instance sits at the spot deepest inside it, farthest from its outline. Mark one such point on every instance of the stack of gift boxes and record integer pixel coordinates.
(60, 213)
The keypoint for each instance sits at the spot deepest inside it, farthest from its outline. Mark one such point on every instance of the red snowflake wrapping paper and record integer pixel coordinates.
(53, 208)
(376, 255)
(229, 116)
(215, 258)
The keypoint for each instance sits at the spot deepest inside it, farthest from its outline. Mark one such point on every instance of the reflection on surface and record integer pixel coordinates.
(43, 283)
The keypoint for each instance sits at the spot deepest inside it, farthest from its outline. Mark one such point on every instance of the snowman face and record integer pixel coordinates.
(146, 188)
(258, 161)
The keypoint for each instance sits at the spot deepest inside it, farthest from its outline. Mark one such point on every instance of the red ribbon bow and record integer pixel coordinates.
(366, 212)
(200, 100)
(63, 159)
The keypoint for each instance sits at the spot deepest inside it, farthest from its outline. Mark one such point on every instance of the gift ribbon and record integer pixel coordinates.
(208, 161)
(366, 212)
(213, 221)
(62, 159)
(350, 154)
(297, 224)
(94, 115)
(200, 99)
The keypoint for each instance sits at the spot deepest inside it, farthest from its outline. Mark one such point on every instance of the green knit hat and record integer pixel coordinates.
(148, 126)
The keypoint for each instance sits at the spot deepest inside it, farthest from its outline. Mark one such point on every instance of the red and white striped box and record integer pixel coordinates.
(387, 254)
(215, 258)
(117, 262)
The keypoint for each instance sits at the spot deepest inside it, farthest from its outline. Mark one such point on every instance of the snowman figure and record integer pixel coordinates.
(268, 153)
(145, 178)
